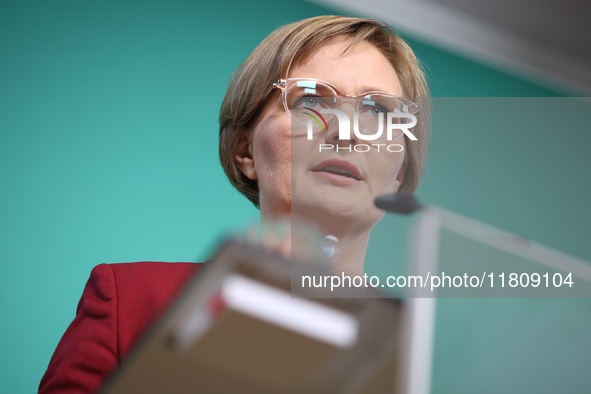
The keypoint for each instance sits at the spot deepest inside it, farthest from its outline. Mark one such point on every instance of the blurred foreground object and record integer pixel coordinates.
(238, 328)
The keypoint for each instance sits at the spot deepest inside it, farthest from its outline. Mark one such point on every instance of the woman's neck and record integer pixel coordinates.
(350, 254)
(349, 244)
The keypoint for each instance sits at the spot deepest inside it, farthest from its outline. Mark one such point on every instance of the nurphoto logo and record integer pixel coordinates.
(379, 130)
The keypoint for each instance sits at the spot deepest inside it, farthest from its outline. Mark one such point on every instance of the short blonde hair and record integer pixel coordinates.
(291, 45)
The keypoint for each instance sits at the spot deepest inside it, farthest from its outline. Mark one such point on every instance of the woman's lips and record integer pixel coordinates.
(338, 171)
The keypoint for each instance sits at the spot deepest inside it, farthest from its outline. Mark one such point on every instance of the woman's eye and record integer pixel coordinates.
(307, 102)
(376, 110)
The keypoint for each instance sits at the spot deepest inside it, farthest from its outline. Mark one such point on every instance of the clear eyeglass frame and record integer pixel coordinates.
(286, 83)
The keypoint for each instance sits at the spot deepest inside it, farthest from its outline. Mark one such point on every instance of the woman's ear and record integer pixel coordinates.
(400, 178)
(243, 155)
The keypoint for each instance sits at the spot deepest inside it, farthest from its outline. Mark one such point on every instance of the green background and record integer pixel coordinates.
(108, 151)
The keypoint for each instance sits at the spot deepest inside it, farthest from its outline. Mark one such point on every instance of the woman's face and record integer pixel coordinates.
(292, 174)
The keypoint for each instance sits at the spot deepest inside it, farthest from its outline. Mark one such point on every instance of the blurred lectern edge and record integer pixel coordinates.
(237, 327)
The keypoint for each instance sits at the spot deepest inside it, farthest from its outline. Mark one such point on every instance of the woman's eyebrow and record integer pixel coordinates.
(364, 89)
(367, 88)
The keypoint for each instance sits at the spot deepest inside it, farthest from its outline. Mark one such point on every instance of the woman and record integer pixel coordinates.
(290, 73)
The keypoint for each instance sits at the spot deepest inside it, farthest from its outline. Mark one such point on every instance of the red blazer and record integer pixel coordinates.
(118, 303)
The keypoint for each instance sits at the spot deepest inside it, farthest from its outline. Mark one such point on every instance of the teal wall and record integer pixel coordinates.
(108, 151)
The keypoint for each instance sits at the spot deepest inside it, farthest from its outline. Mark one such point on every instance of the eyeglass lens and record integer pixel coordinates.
(307, 98)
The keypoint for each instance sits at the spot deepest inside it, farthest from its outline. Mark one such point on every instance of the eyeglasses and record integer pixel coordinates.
(300, 95)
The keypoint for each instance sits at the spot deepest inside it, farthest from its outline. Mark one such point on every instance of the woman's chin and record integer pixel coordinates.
(335, 211)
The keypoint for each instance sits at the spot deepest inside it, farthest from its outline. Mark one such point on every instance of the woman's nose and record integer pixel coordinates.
(340, 127)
